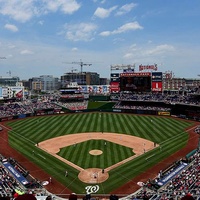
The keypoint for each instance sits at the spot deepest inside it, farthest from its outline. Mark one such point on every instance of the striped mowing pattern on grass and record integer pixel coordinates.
(168, 132)
(79, 154)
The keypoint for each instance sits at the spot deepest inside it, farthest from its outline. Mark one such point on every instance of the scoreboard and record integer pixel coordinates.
(135, 82)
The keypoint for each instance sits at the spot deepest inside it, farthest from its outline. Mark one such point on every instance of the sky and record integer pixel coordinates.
(52, 37)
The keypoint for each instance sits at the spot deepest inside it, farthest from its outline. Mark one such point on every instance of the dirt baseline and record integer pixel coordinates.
(95, 175)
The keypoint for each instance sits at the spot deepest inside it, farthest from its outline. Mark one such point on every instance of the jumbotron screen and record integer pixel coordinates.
(135, 82)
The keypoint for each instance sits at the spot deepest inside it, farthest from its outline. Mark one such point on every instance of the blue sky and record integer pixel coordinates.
(44, 37)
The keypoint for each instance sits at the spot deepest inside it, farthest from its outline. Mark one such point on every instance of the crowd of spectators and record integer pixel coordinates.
(183, 184)
(171, 99)
(121, 105)
(12, 109)
(40, 105)
(26, 107)
(189, 179)
(197, 129)
(10, 186)
(80, 105)
(186, 183)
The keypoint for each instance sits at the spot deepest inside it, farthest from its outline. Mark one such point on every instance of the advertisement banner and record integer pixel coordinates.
(135, 74)
(156, 77)
(128, 70)
(156, 86)
(172, 174)
(148, 67)
(15, 173)
(90, 88)
(100, 89)
(4, 92)
(114, 79)
(17, 92)
(95, 88)
(105, 88)
(84, 89)
(114, 87)
(165, 113)
(114, 75)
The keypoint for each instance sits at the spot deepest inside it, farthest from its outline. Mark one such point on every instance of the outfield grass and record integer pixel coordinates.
(168, 132)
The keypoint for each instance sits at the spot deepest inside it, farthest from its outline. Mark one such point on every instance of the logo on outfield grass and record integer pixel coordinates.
(91, 189)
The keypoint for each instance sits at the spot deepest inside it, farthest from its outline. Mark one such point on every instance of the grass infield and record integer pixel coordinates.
(168, 132)
(79, 154)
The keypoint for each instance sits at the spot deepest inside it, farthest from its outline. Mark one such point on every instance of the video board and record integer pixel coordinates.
(135, 82)
(156, 82)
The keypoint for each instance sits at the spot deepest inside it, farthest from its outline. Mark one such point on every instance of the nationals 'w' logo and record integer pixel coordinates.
(91, 189)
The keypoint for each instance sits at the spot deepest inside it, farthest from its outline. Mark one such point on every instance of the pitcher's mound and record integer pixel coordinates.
(93, 175)
(96, 152)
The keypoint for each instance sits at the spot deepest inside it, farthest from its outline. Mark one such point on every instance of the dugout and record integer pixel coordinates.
(190, 154)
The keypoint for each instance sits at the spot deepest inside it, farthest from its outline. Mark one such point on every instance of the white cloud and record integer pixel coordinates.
(80, 32)
(128, 27)
(128, 55)
(104, 13)
(75, 49)
(9, 56)
(118, 40)
(133, 46)
(66, 6)
(26, 52)
(132, 26)
(11, 46)
(11, 27)
(160, 49)
(41, 22)
(102, 1)
(105, 33)
(23, 11)
(142, 54)
(126, 8)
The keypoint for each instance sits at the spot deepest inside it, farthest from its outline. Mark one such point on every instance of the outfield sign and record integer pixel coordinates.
(165, 113)
(172, 174)
(15, 173)
(148, 67)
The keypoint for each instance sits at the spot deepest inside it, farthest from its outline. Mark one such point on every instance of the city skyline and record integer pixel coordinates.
(52, 37)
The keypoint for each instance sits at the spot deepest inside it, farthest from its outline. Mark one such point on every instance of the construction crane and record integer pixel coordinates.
(81, 63)
(73, 70)
(9, 72)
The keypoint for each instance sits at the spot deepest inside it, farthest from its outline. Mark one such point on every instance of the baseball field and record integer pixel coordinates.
(85, 144)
